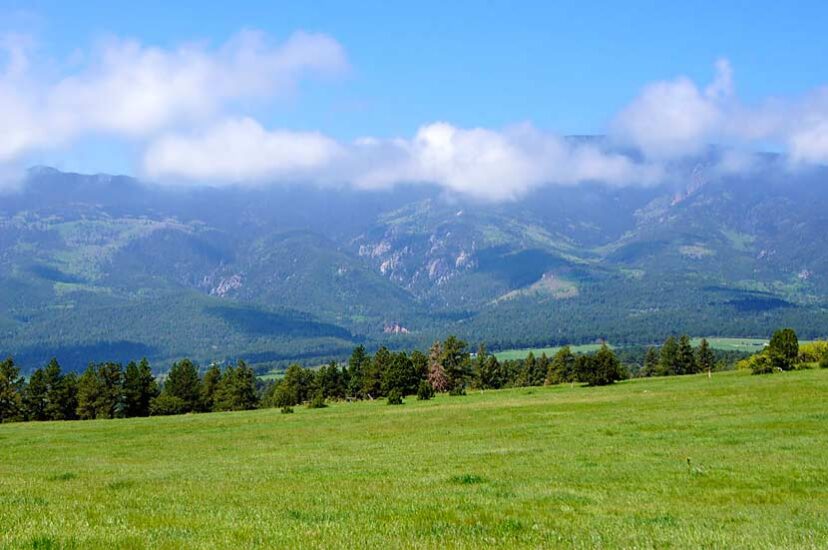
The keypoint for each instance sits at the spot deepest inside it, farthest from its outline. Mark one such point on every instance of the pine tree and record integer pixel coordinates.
(61, 394)
(89, 393)
(140, 388)
(34, 396)
(540, 371)
(436, 371)
(183, 382)
(526, 371)
(356, 368)
(562, 367)
(456, 362)
(651, 362)
(685, 358)
(373, 373)
(400, 375)
(237, 389)
(11, 386)
(668, 358)
(600, 369)
(209, 385)
(110, 403)
(705, 359)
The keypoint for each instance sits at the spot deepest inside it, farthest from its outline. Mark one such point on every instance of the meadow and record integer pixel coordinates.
(685, 462)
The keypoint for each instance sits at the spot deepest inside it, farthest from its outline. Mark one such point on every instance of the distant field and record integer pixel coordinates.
(550, 351)
(724, 344)
(736, 461)
(752, 345)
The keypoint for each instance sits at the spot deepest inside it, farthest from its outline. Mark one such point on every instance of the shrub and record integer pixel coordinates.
(458, 390)
(395, 397)
(166, 404)
(823, 361)
(425, 391)
(760, 364)
(287, 410)
(318, 401)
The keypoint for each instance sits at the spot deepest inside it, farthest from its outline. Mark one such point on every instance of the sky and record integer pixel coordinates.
(476, 96)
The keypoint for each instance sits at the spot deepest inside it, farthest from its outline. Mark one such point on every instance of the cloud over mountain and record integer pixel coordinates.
(187, 108)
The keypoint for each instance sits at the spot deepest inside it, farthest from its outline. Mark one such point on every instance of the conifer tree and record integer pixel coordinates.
(11, 385)
(209, 385)
(140, 388)
(668, 357)
(562, 367)
(685, 358)
(183, 382)
(34, 396)
(651, 362)
(436, 371)
(705, 359)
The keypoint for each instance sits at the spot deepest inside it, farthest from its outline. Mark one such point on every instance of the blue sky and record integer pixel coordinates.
(564, 67)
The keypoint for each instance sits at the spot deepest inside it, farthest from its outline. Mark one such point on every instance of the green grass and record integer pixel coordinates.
(736, 461)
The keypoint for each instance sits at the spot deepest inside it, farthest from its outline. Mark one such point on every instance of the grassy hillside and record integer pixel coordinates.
(736, 461)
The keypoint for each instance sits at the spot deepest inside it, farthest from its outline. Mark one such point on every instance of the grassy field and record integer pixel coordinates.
(736, 461)
(550, 351)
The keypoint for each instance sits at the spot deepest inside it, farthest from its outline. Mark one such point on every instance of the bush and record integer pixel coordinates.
(458, 390)
(395, 397)
(166, 404)
(823, 361)
(425, 391)
(318, 401)
(760, 364)
(287, 410)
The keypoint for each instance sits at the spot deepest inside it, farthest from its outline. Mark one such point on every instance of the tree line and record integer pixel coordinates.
(108, 390)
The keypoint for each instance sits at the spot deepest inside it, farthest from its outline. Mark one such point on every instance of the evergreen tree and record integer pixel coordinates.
(11, 386)
(112, 378)
(419, 361)
(140, 388)
(562, 367)
(236, 390)
(705, 359)
(331, 380)
(651, 362)
(373, 373)
(540, 371)
(685, 358)
(293, 389)
(526, 371)
(357, 363)
(600, 369)
(400, 375)
(425, 391)
(209, 385)
(61, 393)
(183, 382)
(90, 391)
(436, 371)
(34, 396)
(668, 358)
(479, 368)
(456, 362)
(783, 349)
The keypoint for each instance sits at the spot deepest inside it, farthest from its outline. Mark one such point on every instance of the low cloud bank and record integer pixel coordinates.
(181, 107)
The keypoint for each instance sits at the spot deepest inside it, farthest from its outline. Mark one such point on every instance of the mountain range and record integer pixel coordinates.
(97, 267)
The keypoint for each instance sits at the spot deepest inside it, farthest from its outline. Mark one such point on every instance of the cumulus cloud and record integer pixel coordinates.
(127, 89)
(478, 162)
(184, 107)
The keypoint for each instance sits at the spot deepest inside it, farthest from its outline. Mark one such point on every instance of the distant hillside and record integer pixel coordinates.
(96, 267)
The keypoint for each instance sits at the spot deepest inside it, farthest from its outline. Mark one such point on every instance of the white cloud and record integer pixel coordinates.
(676, 118)
(240, 150)
(131, 90)
(477, 162)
